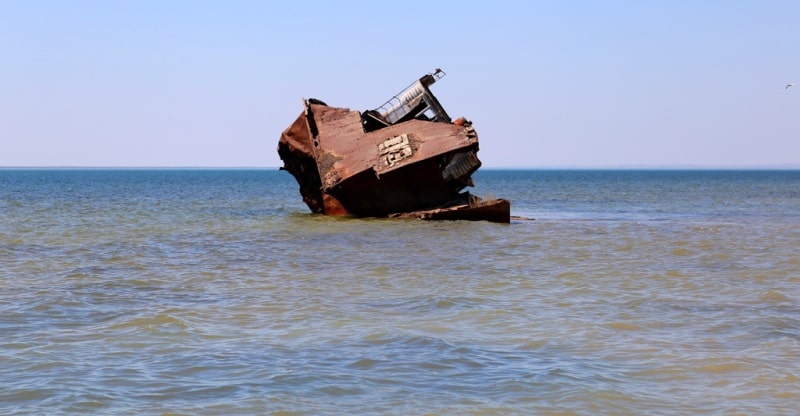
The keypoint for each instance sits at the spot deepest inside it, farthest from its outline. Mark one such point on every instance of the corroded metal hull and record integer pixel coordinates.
(404, 159)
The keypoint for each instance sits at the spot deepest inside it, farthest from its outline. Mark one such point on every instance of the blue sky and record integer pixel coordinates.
(547, 84)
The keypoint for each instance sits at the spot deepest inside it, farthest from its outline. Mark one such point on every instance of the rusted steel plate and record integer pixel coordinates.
(413, 162)
(344, 150)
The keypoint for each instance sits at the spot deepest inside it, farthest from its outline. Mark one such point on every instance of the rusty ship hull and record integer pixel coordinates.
(404, 159)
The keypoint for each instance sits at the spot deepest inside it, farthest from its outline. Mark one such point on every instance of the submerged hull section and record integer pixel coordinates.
(403, 158)
(493, 210)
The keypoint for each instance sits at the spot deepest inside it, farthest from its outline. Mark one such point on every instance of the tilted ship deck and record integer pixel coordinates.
(403, 159)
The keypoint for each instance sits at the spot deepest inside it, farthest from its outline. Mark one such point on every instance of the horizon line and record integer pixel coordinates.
(565, 167)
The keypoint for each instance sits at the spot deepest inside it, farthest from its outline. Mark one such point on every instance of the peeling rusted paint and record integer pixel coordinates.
(404, 159)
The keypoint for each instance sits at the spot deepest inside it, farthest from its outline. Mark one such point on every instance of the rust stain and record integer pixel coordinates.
(403, 159)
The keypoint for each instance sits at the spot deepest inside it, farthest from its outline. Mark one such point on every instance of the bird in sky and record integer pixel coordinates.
(791, 84)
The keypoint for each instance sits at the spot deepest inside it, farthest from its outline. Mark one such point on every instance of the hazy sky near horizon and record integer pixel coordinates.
(546, 83)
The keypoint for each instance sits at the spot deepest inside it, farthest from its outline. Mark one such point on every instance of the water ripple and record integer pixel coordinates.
(195, 292)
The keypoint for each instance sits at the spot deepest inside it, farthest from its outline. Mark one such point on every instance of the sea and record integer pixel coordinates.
(216, 292)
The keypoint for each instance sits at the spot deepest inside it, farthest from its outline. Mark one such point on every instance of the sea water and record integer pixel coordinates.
(216, 292)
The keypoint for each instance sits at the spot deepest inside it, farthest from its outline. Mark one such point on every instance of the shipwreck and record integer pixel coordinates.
(406, 159)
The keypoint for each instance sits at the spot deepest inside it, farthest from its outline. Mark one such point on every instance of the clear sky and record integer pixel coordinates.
(546, 83)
